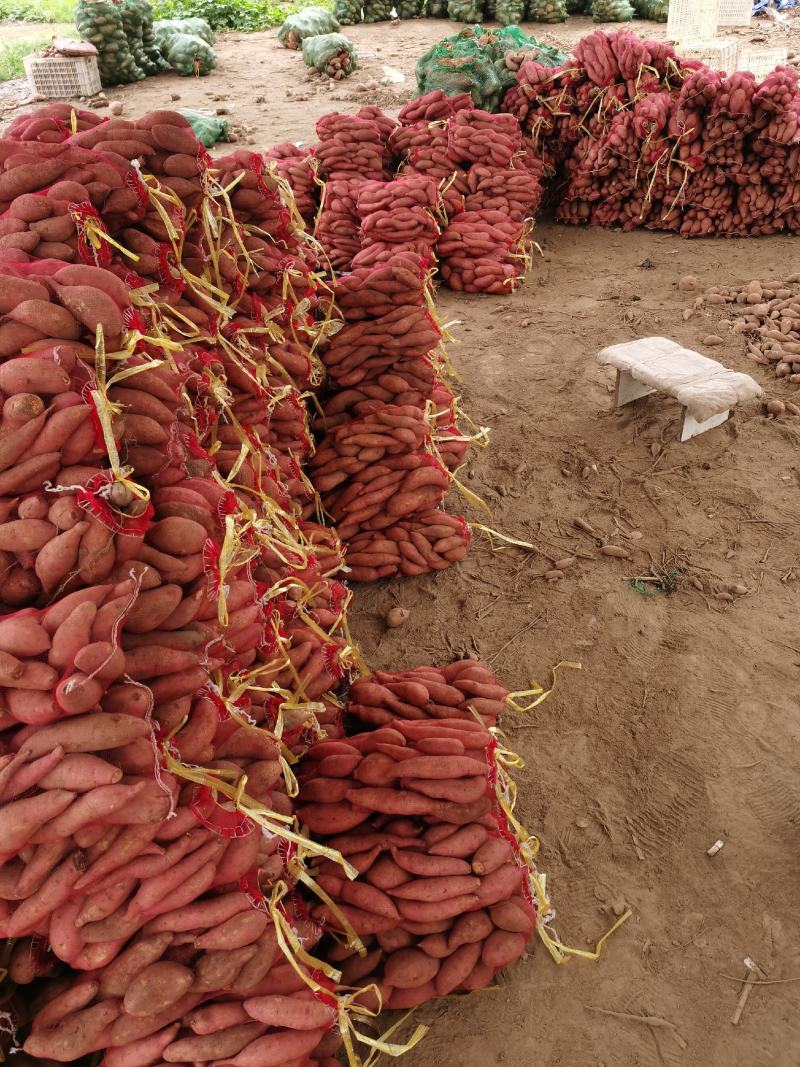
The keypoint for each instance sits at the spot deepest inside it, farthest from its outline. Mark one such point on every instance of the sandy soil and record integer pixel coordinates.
(682, 727)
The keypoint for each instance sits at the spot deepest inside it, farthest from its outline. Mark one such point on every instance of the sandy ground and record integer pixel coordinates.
(682, 726)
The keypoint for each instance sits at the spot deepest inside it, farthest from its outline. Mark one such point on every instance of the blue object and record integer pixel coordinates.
(760, 6)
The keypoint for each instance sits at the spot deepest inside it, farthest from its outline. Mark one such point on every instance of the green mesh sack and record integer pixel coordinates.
(330, 54)
(377, 10)
(510, 12)
(460, 65)
(166, 29)
(436, 9)
(611, 10)
(547, 11)
(656, 10)
(465, 10)
(137, 21)
(208, 129)
(154, 61)
(510, 46)
(347, 12)
(100, 22)
(409, 9)
(189, 54)
(310, 22)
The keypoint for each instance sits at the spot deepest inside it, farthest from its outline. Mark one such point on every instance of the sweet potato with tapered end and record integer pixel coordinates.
(18, 442)
(130, 1028)
(148, 1050)
(299, 1012)
(501, 884)
(15, 290)
(28, 775)
(409, 967)
(493, 853)
(73, 634)
(503, 947)
(515, 916)
(52, 320)
(58, 557)
(256, 968)
(39, 866)
(436, 889)
(213, 1046)
(97, 278)
(22, 818)
(463, 843)
(426, 866)
(237, 932)
(177, 536)
(467, 929)
(95, 806)
(156, 987)
(280, 1049)
(219, 1016)
(116, 979)
(152, 608)
(332, 818)
(96, 554)
(76, 1036)
(219, 969)
(55, 890)
(23, 636)
(101, 660)
(92, 308)
(87, 733)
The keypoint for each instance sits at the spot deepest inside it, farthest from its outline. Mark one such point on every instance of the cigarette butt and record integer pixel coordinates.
(714, 848)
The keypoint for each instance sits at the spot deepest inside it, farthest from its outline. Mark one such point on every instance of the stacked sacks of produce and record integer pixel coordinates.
(483, 249)
(189, 617)
(420, 143)
(398, 216)
(445, 897)
(646, 139)
(186, 45)
(350, 151)
(383, 468)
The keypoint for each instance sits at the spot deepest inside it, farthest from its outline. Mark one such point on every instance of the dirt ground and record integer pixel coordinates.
(682, 727)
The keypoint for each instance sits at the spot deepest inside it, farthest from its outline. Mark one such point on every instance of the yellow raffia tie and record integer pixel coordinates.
(537, 691)
(506, 793)
(95, 235)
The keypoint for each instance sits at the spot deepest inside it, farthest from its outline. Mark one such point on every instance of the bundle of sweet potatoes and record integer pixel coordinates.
(644, 138)
(442, 901)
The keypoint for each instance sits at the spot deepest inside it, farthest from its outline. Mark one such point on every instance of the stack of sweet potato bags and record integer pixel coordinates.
(174, 652)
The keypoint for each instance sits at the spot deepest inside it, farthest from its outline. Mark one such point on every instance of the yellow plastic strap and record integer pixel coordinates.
(537, 691)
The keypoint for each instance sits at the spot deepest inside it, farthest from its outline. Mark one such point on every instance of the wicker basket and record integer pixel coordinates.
(692, 20)
(718, 53)
(760, 61)
(63, 77)
(735, 13)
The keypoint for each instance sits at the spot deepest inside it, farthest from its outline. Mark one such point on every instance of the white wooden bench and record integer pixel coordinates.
(706, 390)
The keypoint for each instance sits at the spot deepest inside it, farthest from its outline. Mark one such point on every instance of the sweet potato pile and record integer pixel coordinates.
(639, 137)
(173, 638)
(442, 901)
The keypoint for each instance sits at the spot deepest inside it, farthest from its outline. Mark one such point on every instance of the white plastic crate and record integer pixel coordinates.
(719, 53)
(692, 20)
(735, 13)
(760, 61)
(63, 77)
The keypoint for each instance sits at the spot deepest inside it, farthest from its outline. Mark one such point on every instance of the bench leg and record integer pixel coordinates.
(691, 427)
(628, 389)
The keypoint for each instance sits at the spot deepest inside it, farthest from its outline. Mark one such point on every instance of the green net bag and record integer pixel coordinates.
(611, 10)
(436, 9)
(510, 12)
(166, 29)
(100, 22)
(330, 54)
(657, 10)
(137, 21)
(409, 9)
(547, 10)
(465, 10)
(310, 22)
(377, 10)
(460, 65)
(154, 61)
(509, 48)
(208, 129)
(347, 12)
(189, 54)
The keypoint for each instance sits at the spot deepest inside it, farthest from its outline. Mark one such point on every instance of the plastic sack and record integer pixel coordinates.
(611, 11)
(310, 22)
(100, 22)
(331, 54)
(166, 29)
(208, 129)
(465, 10)
(657, 10)
(378, 10)
(510, 12)
(460, 65)
(347, 12)
(189, 54)
(547, 10)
